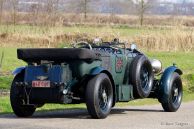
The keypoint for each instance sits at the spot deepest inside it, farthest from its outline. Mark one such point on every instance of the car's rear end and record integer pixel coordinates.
(46, 83)
(52, 75)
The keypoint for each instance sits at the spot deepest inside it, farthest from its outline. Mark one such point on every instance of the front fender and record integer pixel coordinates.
(18, 70)
(164, 87)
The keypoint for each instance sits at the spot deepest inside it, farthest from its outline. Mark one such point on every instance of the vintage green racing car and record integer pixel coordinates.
(98, 74)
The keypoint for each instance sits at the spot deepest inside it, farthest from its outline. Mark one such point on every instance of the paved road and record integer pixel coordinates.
(132, 117)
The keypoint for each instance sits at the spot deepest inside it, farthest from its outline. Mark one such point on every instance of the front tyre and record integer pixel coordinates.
(17, 101)
(174, 98)
(99, 96)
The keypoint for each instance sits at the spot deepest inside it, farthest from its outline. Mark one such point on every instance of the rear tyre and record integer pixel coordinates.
(173, 100)
(141, 76)
(99, 96)
(16, 100)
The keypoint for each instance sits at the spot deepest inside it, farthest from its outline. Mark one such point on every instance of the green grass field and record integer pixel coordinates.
(184, 61)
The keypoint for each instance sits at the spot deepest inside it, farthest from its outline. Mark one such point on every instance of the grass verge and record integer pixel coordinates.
(5, 82)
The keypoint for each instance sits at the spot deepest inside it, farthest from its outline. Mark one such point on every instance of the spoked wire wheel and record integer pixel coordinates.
(99, 96)
(172, 101)
(144, 78)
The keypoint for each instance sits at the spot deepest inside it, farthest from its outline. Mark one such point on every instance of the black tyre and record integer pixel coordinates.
(141, 76)
(99, 96)
(17, 101)
(174, 98)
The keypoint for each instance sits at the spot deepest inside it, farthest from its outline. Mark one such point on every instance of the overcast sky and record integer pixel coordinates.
(179, 1)
(175, 1)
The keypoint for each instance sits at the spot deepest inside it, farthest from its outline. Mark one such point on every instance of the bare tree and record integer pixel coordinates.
(1, 10)
(142, 7)
(50, 6)
(15, 6)
(81, 6)
(84, 4)
(51, 11)
(85, 8)
(35, 9)
(184, 8)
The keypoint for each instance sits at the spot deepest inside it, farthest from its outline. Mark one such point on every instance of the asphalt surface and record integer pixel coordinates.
(132, 117)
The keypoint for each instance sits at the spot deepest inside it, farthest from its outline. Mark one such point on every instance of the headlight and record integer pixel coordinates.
(156, 65)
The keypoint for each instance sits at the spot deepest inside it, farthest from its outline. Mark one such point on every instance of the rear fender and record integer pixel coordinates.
(98, 70)
(18, 70)
(164, 86)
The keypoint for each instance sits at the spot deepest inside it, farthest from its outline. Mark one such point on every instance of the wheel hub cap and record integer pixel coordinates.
(104, 96)
(176, 92)
(145, 76)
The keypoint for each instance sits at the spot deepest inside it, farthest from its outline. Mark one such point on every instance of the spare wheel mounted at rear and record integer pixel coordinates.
(141, 76)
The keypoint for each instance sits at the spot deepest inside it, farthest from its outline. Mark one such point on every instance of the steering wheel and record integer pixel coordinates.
(82, 43)
(116, 49)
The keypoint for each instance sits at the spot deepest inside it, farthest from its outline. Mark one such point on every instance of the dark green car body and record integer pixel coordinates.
(68, 71)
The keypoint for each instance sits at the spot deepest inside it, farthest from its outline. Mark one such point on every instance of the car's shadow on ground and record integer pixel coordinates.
(123, 111)
(76, 113)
